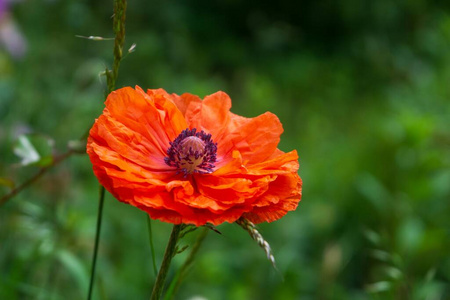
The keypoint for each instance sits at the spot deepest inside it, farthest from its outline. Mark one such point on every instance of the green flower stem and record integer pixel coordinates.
(171, 250)
(181, 274)
(97, 238)
(120, 7)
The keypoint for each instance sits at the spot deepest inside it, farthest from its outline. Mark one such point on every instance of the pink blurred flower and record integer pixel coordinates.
(10, 36)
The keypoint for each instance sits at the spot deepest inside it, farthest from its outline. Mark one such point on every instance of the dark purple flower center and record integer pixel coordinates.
(192, 152)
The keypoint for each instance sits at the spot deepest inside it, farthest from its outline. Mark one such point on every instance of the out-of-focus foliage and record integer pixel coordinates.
(362, 89)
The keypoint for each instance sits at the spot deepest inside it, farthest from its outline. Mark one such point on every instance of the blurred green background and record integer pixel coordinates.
(361, 87)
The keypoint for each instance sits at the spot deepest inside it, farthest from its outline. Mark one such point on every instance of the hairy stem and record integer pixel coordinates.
(168, 255)
(181, 274)
(120, 7)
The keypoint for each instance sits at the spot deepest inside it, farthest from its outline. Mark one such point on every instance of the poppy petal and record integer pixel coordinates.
(255, 138)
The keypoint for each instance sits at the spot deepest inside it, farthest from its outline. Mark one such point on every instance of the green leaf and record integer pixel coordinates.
(381, 255)
(152, 248)
(372, 236)
(394, 272)
(378, 287)
(75, 267)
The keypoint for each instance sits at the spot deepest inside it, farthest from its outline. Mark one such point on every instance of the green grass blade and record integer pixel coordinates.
(152, 248)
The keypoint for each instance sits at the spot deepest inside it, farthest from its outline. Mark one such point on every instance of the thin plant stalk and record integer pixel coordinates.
(170, 252)
(120, 7)
(97, 238)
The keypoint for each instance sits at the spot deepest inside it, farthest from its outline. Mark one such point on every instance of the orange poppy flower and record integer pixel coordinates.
(186, 160)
